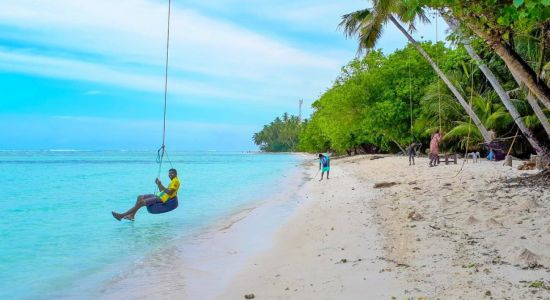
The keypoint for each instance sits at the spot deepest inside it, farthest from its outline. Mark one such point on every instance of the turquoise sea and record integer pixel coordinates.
(56, 228)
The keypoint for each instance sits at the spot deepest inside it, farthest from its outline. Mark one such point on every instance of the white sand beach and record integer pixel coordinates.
(430, 233)
(437, 234)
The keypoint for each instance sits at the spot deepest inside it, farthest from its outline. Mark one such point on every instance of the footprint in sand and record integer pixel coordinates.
(492, 223)
(415, 216)
(445, 202)
(527, 205)
(471, 221)
(525, 258)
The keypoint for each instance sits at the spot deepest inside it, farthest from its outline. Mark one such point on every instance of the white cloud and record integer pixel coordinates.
(122, 43)
(303, 15)
(134, 32)
(95, 72)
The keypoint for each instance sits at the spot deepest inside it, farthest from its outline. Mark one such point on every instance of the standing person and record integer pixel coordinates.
(434, 148)
(164, 194)
(324, 165)
(411, 152)
(491, 155)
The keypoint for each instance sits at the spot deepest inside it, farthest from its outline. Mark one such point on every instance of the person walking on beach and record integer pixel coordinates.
(324, 165)
(434, 148)
(164, 194)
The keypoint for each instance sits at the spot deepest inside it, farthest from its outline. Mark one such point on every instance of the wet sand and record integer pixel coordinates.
(201, 266)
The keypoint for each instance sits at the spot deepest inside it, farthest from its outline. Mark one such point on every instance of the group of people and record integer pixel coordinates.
(170, 192)
(413, 148)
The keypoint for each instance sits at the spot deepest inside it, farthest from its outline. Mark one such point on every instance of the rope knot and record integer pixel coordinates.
(160, 154)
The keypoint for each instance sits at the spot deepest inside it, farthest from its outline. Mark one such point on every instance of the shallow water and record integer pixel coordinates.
(55, 223)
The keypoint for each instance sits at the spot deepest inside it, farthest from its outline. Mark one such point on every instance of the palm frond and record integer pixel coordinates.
(466, 134)
(369, 35)
(422, 17)
(352, 22)
(499, 119)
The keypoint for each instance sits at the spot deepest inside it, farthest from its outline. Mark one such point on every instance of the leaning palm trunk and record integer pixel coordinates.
(540, 114)
(516, 64)
(502, 94)
(535, 105)
(401, 148)
(456, 93)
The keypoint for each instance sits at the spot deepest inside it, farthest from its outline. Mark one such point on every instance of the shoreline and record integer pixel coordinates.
(446, 232)
(451, 231)
(328, 249)
(185, 263)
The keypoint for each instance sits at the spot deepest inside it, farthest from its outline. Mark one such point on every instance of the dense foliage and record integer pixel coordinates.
(383, 102)
(281, 135)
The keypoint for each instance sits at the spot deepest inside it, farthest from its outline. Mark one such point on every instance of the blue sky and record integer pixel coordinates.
(90, 74)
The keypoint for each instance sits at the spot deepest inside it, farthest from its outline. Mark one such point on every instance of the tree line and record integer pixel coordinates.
(281, 135)
(492, 80)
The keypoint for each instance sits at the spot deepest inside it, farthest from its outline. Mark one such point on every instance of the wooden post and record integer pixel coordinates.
(455, 158)
(446, 158)
(508, 160)
(538, 162)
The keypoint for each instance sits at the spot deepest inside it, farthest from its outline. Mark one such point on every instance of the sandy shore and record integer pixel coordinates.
(448, 232)
(436, 233)
(202, 265)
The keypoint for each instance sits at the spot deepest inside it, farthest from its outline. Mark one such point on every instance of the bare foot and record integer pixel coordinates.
(116, 216)
(129, 218)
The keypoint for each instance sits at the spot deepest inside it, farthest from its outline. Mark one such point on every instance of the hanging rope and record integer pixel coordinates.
(469, 121)
(437, 63)
(168, 158)
(410, 91)
(161, 150)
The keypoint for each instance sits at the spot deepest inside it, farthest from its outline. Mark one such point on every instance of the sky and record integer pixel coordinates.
(89, 75)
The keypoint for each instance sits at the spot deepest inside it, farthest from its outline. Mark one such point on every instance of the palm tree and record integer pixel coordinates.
(484, 102)
(368, 25)
(495, 37)
(535, 105)
(504, 97)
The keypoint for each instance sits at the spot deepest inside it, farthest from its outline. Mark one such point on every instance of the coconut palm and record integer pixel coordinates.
(483, 101)
(504, 97)
(368, 25)
(482, 18)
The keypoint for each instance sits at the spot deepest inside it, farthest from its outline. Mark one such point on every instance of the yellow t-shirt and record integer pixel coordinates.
(174, 186)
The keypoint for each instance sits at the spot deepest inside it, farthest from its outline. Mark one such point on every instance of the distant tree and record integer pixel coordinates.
(281, 135)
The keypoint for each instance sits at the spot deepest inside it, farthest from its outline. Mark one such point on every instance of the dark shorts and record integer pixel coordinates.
(151, 199)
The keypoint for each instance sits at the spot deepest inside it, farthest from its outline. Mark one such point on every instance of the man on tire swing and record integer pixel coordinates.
(164, 194)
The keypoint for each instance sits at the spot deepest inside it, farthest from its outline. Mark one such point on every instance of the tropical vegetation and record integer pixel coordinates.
(491, 77)
(281, 135)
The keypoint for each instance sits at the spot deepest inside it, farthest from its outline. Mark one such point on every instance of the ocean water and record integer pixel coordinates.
(56, 228)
